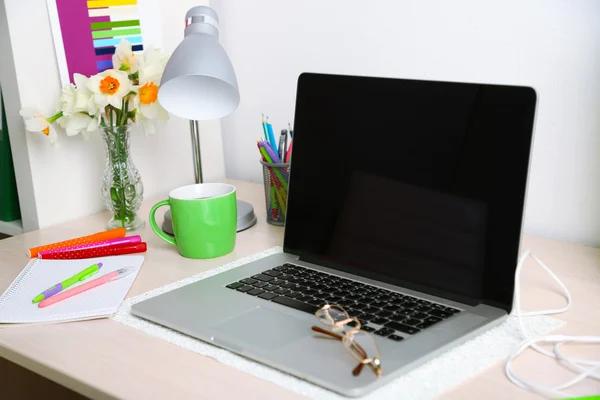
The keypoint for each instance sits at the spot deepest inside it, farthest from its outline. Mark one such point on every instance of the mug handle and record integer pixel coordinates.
(155, 226)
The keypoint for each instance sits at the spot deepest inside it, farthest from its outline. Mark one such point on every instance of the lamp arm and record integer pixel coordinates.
(196, 154)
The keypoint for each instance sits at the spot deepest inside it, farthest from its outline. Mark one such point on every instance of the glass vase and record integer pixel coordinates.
(122, 188)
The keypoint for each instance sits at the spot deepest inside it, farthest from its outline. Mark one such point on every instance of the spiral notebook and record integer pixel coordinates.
(100, 302)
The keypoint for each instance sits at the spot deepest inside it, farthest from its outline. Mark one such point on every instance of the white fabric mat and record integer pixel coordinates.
(425, 382)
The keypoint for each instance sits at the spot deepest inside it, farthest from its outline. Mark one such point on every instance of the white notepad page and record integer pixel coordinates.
(102, 301)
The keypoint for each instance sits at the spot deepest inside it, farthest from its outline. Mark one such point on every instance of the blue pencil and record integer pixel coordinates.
(271, 135)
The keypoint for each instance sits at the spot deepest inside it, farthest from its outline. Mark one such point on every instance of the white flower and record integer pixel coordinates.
(84, 100)
(109, 87)
(67, 99)
(35, 121)
(79, 123)
(124, 59)
(147, 102)
(80, 114)
(152, 65)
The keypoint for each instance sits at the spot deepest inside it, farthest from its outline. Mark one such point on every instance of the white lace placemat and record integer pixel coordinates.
(425, 382)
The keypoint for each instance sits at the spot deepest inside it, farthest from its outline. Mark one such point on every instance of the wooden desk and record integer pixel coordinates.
(104, 359)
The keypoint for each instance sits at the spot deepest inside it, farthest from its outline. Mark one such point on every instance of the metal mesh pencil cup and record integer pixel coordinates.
(276, 178)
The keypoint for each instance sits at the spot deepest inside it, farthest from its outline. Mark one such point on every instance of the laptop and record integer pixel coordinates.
(405, 208)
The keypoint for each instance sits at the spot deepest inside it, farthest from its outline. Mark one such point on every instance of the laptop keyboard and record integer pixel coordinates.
(384, 312)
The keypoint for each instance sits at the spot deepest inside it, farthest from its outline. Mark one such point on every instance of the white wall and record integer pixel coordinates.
(552, 45)
(65, 181)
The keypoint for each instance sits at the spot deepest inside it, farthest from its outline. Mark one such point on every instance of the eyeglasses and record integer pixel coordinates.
(361, 345)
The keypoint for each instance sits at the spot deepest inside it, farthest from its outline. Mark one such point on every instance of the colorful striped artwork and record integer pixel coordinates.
(86, 32)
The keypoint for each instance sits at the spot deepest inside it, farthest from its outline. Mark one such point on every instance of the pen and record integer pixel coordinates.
(282, 144)
(86, 273)
(285, 145)
(110, 277)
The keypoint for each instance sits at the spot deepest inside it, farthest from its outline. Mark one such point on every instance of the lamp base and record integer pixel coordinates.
(245, 218)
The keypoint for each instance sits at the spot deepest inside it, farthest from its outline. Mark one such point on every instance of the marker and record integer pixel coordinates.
(97, 245)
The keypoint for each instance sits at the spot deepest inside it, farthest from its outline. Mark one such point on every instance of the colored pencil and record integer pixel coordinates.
(274, 157)
(271, 134)
(264, 126)
(276, 178)
(288, 156)
(278, 173)
(279, 188)
(291, 130)
(282, 200)
(272, 201)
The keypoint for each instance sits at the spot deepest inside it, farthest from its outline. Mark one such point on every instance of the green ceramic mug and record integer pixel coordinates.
(204, 219)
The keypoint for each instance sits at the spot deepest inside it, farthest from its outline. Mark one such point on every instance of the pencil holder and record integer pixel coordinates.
(276, 179)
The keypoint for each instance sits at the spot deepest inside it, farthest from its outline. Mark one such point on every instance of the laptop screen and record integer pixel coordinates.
(414, 183)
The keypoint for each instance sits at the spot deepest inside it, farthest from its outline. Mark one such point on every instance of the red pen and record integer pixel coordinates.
(97, 252)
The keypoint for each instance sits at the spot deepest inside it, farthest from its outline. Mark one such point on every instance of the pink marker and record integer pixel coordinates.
(106, 243)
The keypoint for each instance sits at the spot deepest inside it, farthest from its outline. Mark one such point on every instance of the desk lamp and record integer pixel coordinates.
(199, 84)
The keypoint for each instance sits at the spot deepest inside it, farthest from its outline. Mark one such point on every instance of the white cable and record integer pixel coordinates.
(585, 368)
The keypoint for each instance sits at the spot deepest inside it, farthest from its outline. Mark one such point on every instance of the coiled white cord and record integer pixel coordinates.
(585, 368)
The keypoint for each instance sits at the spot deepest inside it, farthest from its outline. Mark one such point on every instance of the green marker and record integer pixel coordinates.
(83, 275)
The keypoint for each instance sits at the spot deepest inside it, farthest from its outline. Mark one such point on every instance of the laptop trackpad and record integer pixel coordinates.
(264, 328)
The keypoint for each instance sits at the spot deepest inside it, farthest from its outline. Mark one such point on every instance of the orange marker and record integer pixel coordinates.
(96, 237)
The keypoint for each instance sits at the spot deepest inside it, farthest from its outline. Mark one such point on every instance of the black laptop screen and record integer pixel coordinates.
(416, 183)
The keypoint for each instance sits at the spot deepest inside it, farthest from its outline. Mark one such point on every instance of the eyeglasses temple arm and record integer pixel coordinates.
(326, 332)
(356, 346)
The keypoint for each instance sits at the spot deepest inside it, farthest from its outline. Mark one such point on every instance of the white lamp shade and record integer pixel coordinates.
(199, 82)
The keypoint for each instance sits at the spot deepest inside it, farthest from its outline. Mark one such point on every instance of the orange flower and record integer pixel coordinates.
(109, 85)
(148, 93)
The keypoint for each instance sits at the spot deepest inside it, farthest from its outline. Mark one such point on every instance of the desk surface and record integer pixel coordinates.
(104, 359)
